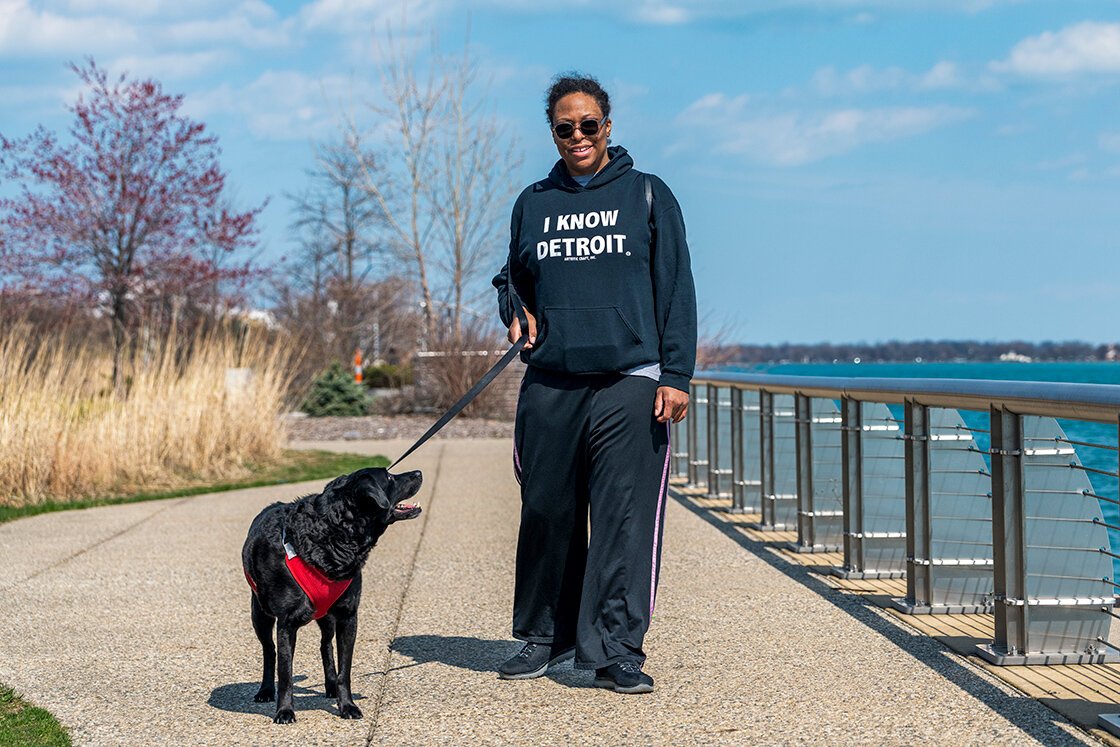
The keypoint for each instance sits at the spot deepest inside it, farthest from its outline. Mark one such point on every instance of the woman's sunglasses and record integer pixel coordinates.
(589, 127)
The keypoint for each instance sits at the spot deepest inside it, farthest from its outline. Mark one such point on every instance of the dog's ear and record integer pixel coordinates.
(380, 498)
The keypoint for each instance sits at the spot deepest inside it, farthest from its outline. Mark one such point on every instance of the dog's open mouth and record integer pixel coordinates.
(403, 511)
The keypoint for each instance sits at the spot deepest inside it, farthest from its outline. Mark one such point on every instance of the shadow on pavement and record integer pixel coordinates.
(1018, 709)
(476, 655)
(238, 697)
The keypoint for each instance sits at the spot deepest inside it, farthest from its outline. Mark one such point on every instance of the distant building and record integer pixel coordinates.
(1012, 357)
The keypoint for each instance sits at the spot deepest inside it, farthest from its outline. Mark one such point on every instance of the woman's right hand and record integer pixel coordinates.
(515, 330)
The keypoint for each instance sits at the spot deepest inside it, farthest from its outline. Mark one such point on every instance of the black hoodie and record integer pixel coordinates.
(605, 271)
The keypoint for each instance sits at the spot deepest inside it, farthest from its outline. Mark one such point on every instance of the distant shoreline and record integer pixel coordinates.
(942, 351)
(917, 361)
(1083, 372)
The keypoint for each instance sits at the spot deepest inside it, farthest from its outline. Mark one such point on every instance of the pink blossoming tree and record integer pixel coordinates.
(130, 208)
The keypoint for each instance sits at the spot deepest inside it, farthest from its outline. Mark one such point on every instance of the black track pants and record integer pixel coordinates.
(581, 442)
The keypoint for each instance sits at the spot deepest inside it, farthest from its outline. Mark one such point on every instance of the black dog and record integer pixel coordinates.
(304, 561)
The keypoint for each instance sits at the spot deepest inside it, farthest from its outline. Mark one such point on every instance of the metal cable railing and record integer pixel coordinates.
(972, 490)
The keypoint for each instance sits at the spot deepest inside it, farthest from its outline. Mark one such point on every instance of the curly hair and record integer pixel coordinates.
(573, 82)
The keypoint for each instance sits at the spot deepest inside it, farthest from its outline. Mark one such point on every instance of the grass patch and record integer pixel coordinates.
(295, 466)
(24, 724)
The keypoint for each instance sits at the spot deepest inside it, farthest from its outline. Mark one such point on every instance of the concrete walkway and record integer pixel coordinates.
(131, 624)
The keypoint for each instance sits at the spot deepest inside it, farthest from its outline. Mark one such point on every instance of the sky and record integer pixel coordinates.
(849, 170)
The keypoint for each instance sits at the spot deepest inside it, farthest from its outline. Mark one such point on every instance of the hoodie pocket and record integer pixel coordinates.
(586, 339)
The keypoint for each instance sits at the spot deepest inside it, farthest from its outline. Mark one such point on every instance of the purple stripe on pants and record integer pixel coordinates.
(657, 521)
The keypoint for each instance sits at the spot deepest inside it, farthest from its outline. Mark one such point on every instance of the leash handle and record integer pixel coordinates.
(474, 391)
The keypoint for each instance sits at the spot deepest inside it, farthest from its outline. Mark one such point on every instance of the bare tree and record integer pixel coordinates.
(473, 182)
(412, 105)
(311, 317)
(340, 226)
(714, 348)
(338, 213)
(450, 177)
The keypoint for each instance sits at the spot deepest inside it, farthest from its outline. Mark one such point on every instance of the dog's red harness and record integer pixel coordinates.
(321, 590)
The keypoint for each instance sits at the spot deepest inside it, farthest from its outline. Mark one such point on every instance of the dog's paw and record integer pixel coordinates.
(330, 689)
(284, 716)
(265, 695)
(349, 710)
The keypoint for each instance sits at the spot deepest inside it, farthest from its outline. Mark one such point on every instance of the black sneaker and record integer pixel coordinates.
(533, 660)
(624, 677)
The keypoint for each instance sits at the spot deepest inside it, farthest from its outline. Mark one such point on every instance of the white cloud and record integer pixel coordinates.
(676, 12)
(829, 81)
(793, 138)
(281, 104)
(661, 14)
(349, 16)
(944, 75)
(1061, 164)
(172, 65)
(137, 8)
(28, 30)
(1109, 142)
(249, 24)
(136, 27)
(1087, 47)
(46, 97)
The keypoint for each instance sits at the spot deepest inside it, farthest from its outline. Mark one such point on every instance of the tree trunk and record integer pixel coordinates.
(119, 320)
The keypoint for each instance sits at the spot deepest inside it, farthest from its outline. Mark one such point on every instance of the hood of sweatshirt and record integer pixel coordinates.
(620, 162)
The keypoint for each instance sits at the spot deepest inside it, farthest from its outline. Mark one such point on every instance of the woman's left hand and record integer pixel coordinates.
(670, 404)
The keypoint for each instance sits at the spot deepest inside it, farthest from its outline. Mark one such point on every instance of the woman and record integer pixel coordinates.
(599, 267)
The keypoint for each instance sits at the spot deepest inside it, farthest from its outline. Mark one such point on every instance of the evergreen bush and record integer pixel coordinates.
(335, 392)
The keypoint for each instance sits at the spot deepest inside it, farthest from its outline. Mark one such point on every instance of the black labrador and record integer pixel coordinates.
(304, 561)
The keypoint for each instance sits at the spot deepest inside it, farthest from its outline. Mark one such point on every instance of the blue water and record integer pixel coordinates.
(1104, 434)
(1085, 373)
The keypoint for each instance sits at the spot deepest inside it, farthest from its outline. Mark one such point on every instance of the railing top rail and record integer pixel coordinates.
(1098, 402)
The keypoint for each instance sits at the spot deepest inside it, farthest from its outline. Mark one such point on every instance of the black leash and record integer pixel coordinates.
(470, 395)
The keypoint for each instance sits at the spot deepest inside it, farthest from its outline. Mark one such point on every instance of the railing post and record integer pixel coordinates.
(766, 457)
(675, 448)
(712, 447)
(1009, 545)
(851, 445)
(919, 591)
(693, 433)
(738, 474)
(803, 423)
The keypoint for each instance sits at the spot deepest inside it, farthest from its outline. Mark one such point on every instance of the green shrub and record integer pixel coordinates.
(387, 376)
(336, 393)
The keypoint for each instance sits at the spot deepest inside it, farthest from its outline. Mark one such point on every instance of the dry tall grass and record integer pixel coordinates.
(65, 435)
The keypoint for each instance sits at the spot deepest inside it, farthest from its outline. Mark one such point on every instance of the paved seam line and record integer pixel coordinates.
(97, 544)
(400, 606)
